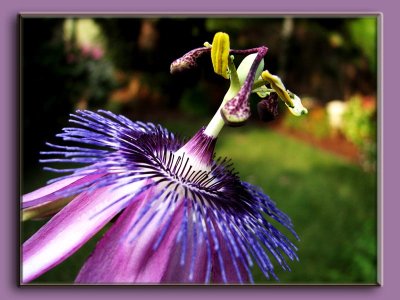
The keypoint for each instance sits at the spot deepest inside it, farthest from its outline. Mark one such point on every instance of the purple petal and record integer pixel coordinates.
(228, 268)
(54, 191)
(120, 259)
(195, 268)
(233, 274)
(72, 227)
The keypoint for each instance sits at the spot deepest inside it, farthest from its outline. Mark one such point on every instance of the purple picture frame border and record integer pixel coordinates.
(9, 128)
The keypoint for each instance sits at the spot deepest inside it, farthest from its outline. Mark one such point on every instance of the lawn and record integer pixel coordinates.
(332, 203)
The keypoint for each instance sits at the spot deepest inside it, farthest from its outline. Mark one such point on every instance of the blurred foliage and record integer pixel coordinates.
(331, 202)
(363, 33)
(57, 74)
(45, 100)
(83, 32)
(192, 102)
(315, 123)
(89, 75)
(360, 127)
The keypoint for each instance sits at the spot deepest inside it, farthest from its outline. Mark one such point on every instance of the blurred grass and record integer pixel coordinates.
(331, 202)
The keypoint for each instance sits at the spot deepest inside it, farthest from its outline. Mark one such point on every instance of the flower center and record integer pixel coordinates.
(166, 160)
(248, 78)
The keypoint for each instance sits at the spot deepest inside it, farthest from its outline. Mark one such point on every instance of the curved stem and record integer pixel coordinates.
(217, 123)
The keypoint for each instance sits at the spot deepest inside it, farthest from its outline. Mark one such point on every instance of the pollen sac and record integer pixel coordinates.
(268, 108)
(235, 112)
(277, 85)
(298, 109)
(220, 54)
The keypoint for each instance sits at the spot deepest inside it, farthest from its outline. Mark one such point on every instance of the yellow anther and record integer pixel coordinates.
(277, 85)
(220, 54)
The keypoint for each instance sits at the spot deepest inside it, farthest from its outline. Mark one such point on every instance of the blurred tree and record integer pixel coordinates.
(58, 70)
(363, 32)
(43, 86)
(121, 35)
(148, 46)
(326, 58)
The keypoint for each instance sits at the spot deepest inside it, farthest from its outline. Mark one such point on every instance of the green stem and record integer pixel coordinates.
(259, 82)
(217, 123)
